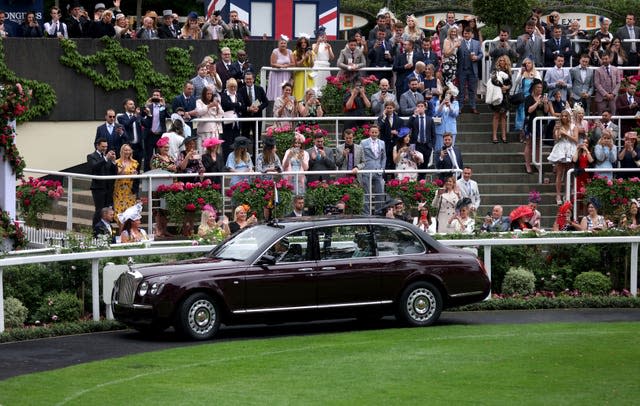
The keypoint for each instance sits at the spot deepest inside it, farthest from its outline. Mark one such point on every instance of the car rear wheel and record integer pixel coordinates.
(420, 304)
(198, 317)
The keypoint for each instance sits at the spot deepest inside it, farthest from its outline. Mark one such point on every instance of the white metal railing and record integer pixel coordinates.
(149, 177)
(537, 159)
(47, 256)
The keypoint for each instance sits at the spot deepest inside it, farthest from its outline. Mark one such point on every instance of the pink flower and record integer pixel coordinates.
(190, 207)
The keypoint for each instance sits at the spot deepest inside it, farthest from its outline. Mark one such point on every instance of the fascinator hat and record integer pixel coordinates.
(462, 203)
(284, 38)
(519, 212)
(162, 142)
(132, 213)
(322, 30)
(211, 142)
(403, 132)
(534, 197)
(299, 137)
(210, 209)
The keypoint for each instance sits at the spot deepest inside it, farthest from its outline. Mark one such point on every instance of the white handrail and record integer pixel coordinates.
(96, 256)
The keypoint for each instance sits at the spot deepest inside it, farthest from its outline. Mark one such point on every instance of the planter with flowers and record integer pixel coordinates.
(14, 103)
(335, 89)
(36, 196)
(614, 195)
(12, 235)
(412, 192)
(284, 135)
(260, 194)
(328, 193)
(186, 199)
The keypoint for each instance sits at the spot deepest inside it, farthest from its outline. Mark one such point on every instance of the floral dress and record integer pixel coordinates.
(123, 196)
(407, 164)
(449, 66)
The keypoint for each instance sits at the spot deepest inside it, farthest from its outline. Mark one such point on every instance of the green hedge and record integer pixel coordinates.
(61, 329)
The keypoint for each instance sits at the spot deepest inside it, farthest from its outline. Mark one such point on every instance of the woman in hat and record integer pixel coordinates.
(324, 55)
(304, 58)
(629, 155)
(212, 159)
(123, 27)
(241, 218)
(208, 106)
(520, 218)
(191, 28)
(461, 222)
(162, 160)
(564, 219)
(534, 201)
(190, 160)
(631, 220)
(210, 226)
(445, 202)
(424, 220)
(239, 160)
(593, 221)
(176, 136)
(123, 195)
(131, 231)
(281, 58)
(296, 159)
(405, 155)
(535, 105)
(566, 142)
(268, 161)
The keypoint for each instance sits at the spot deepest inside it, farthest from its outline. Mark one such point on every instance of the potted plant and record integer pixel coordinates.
(36, 196)
(411, 192)
(320, 195)
(262, 194)
(335, 89)
(185, 200)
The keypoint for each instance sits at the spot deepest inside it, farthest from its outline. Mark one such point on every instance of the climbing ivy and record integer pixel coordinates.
(42, 98)
(144, 77)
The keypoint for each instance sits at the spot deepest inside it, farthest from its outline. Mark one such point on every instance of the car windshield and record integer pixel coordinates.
(246, 243)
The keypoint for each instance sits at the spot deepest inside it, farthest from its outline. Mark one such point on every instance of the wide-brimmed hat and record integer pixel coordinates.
(403, 132)
(268, 142)
(519, 212)
(595, 202)
(177, 117)
(211, 142)
(192, 15)
(241, 142)
(163, 141)
(631, 135)
(193, 138)
(132, 213)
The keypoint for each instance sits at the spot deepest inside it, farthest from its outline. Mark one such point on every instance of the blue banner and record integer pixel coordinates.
(16, 11)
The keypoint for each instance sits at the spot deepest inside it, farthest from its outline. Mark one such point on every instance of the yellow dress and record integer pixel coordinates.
(299, 85)
(123, 196)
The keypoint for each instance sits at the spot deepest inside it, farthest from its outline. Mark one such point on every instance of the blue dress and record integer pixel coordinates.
(449, 117)
(520, 116)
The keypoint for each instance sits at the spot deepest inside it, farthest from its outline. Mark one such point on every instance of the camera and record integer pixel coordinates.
(155, 99)
(332, 209)
(444, 147)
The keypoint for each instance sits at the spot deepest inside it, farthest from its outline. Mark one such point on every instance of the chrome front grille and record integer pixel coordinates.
(126, 288)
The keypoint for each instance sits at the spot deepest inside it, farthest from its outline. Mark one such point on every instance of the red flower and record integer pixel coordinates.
(190, 207)
(201, 201)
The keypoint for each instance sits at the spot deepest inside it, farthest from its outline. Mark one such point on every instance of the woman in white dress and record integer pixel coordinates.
(445, 202)
(208, 106)
(281, 58)
(324, 55)
(566, 136)
(296, 159)
(461, 221)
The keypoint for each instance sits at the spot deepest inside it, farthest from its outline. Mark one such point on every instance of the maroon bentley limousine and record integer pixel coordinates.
(303, 269)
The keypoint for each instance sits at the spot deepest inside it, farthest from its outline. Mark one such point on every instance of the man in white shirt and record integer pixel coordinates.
(56, 28)
(469, 188)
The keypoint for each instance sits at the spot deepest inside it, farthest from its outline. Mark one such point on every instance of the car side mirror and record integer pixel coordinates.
(267, 260)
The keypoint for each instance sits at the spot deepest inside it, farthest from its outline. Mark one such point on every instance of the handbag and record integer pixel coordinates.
(516, 99)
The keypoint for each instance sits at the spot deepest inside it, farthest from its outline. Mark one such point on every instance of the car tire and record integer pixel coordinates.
(198, 317)
(420, 304)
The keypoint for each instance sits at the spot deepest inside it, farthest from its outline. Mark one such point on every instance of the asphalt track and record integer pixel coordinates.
(27, 357)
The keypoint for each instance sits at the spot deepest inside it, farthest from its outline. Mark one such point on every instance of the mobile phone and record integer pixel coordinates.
(412, 147)
(423, 216)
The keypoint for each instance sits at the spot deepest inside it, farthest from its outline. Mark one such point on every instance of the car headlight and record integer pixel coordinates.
(155, 288)
(143, 288)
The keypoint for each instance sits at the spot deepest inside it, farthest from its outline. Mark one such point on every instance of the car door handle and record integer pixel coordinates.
(328, 268)
(305, 269)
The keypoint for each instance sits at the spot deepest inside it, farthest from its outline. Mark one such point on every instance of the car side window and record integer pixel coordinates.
(395, 240)
(348, 241)
(292, 248)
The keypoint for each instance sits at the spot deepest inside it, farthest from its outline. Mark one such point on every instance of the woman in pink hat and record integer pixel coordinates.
(212, 158)
(162, 160)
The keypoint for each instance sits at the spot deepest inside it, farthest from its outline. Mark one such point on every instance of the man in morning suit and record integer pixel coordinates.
(582, 83)
(154, 120)
(557, 45)
(606, 80)
(404, 64)
(530, 45)
(469, 188)
(131, 121)
(254, 101)
(375, 158)
(449, 157)
(101, 163)
(321, 158)
(423, 134)
(103, 226)
(469, 53)
(380, 55)
(167, 30)
(111, 131)
(225, 67)
(630, 31)
(348, 155)
(187, 101)
(627, 105)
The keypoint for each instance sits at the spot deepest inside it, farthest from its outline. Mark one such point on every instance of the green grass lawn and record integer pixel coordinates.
(545, 364)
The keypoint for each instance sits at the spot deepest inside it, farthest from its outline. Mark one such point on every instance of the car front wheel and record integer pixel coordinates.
(420, 304)
(198, 317)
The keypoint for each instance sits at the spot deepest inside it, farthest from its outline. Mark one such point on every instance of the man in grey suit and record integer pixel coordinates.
(351, 60)
(469, 54)
(410, 98)
(558, 78)
(321, 158)
(606, 81)
(630, 31)
(349, 155)
(375, 158)
(530, 45)
(582, 83)
(496, 222)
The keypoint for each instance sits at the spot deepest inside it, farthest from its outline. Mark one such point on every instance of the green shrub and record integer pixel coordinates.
(519, 281)
(55, 330)
(15, 313)
(60, 307)
(593, 283)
